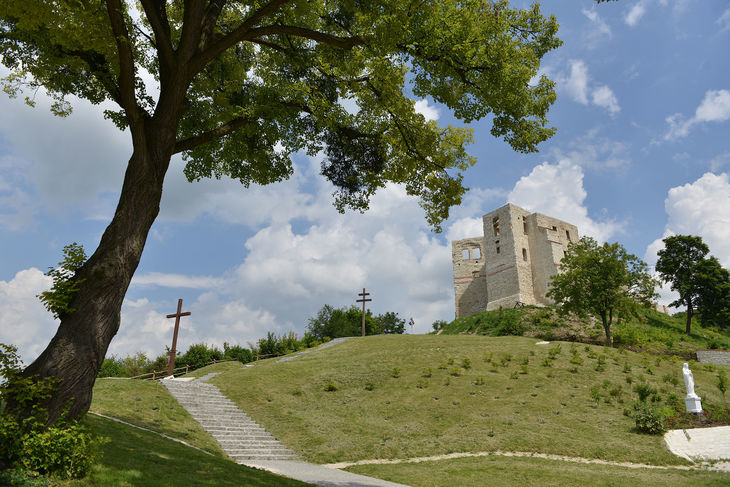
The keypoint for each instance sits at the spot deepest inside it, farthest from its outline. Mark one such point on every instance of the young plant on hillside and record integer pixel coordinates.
(601, 280)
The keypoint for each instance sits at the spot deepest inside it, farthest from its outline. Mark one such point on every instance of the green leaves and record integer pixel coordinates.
(601, 280)
(65, 284)
(242, 87)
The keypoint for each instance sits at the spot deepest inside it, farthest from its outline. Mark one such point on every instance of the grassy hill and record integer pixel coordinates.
(646, 329)
(397, 397)
(411, 396)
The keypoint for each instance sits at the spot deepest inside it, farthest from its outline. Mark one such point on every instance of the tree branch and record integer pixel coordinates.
(192, 142)
(127, 97)
(211, 52)
(157, 16)
(210, 17)
(190, 37)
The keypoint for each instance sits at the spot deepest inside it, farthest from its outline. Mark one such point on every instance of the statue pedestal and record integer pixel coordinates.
(693, 404)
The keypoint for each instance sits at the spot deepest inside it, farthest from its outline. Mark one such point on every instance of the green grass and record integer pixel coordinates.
(138, 458)
(150, 405)
(494, 470)
(502, 404)
(647, 329)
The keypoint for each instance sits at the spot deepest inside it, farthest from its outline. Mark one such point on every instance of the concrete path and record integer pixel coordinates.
(701, 445)
(319, 475)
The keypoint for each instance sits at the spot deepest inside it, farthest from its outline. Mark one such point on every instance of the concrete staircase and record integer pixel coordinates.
(240, 437)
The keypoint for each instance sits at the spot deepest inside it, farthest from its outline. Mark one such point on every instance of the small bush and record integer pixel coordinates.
(422, 383)
(648, 420)
(395, 373)
(369, 386)
(330, 387)
(466, 364)
(547, 362)
(455, 371)
(427, 372)
(644, 391)
(479, 381)
(554, 351)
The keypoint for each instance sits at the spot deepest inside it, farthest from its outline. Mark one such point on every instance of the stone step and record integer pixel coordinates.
(240, 437)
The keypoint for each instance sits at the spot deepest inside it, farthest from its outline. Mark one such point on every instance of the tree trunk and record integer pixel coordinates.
(76, 352)
(607, 327)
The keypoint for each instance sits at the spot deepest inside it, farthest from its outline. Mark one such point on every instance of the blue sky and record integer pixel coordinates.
(642, 151)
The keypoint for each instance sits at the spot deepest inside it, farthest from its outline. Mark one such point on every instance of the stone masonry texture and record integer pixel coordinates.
(512, 263)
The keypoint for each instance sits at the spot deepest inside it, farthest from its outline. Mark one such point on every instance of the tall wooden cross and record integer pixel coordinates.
(171, 364)
(363, 301)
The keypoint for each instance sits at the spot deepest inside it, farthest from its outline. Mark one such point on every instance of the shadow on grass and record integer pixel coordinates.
(136, 458)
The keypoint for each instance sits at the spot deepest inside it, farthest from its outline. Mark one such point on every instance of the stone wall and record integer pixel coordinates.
(721, 357)
(470, 284)
(520, 251)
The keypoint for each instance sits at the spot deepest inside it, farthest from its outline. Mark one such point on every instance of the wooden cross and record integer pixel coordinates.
(171, 364)
(363, 301)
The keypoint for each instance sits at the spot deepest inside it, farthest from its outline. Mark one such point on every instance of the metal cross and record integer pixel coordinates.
(363, 301)
(171, 364)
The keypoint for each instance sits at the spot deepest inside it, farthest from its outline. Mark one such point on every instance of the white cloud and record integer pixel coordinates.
(700, 208)
(429, 111)
(598, 30)
(594, 151)
(175, 280)
(719, 161)
(724, 20)
(557, 190)
(604, 97)
(24, 322)
(577, 82)
(577, 85)
(635, 13)
(715, 107)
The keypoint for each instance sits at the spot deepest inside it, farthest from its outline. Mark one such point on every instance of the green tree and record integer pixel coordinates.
(243, 85)
(333, 322)
(602, 280)
(677, 265)
(713, 302)
(388, 324)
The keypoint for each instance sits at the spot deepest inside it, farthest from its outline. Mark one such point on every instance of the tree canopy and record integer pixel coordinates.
(677, 265)
(332, 322)
(237, 87)
(251, 82)
(601, 280)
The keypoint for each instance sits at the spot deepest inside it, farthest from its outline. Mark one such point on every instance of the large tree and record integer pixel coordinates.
(241, 85)
(713, 282)
(677, 265)
(601, 280)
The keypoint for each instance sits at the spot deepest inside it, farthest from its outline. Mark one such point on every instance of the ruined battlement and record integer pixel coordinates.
(512, 263)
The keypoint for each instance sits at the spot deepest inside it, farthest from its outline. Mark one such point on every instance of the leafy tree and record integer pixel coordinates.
(333, 322)
(388, 324)
(677, 265)
(713, 302)
(602, 280)
(240, 86)
(65, 284)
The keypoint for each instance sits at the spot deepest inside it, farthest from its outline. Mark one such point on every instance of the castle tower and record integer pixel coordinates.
(520, 251)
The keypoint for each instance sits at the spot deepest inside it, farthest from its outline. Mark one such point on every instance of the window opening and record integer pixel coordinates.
(476, 252)
(524, 224)
(465, 254)
(567, 234)
(554, 227)
(495, 225)
(497, 248)
(524, 254)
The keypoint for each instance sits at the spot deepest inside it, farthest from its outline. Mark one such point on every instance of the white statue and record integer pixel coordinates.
(692, 401)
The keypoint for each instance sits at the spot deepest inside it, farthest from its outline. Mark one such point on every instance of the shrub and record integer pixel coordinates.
(199, 355)
(237, 352)
(369, 386)
(395, 373)
(648, 420)
(466, 363)
(554, 351)
(65, 449)
(112, 367)
(427, 372)
(330, 387)
(644, 390)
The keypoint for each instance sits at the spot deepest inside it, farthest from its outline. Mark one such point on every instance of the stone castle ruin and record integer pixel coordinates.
(512, 263)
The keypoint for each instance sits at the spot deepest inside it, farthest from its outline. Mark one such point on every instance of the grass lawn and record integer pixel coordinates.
(410, 396)
(150, 405)
(135, 458)
(494, 470)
